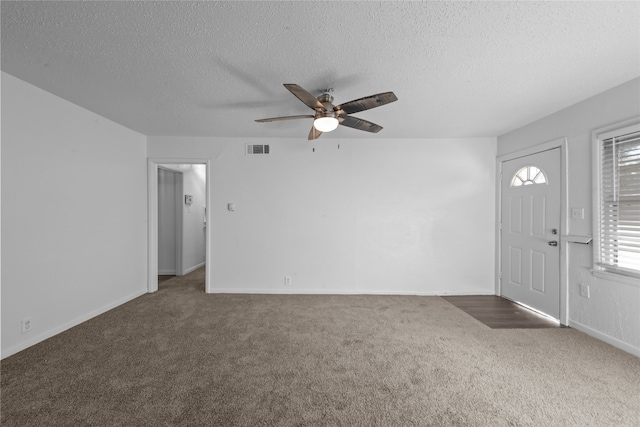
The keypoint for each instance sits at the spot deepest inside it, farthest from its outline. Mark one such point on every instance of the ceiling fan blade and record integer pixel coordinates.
(356, 123)
(304, 96)
(314, 133)
(367, 103)
(277, 119)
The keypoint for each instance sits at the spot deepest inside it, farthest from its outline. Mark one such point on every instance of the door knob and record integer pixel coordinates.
(553, 243)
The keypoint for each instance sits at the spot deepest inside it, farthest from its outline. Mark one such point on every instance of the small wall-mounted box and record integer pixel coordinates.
(188, 199)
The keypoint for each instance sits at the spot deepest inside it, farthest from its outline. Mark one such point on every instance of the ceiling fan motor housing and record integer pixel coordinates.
(326, 99)
(329, 113)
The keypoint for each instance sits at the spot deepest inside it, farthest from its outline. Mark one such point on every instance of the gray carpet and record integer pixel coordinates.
(180, 357)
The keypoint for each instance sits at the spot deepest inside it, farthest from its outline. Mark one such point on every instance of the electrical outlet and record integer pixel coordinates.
(26, 325)
(584, 290)
(287, 280)
(577, 213)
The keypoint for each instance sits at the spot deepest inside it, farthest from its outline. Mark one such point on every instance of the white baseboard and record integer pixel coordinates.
(264, 291)
(604, 337)
(166, 272)
(194, 268)
(68, 325)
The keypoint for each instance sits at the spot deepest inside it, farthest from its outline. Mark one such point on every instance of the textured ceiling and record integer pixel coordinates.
(211, 68)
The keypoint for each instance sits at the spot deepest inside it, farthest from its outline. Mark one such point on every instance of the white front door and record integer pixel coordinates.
(530, 231)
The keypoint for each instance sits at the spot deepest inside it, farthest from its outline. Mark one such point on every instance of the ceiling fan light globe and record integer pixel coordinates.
(326, 124)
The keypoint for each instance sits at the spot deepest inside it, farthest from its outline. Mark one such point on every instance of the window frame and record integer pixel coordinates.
(599, 136)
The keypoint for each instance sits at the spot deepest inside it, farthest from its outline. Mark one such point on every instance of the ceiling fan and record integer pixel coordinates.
(329, 116)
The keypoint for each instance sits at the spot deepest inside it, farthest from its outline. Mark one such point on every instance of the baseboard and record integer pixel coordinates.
(263, 291)
(166, 272)
(604, 337)
(194, 268)
(68, 325)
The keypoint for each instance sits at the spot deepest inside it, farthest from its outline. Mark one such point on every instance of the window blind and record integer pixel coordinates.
(619, 222)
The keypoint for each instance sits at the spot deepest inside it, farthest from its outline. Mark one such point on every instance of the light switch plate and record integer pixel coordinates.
(577, 213)
(584, 290)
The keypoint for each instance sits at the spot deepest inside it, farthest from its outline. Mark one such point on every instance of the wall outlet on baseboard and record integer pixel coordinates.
(287, 280)
(584, 290)
(26, 325)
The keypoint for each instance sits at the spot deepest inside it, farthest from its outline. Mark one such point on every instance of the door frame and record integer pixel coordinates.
(153, 164)
(564, 220)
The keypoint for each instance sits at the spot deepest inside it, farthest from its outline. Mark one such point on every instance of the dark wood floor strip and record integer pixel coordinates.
(500, 313)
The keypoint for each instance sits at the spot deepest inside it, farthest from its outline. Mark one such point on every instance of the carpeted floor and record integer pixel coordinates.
(180, 357)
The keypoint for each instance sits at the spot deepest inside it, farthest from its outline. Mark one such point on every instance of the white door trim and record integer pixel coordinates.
(152, 219)
(564, 220)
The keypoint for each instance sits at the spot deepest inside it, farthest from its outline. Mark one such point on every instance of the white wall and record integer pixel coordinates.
(73, 214)
(612, 313)
(374, 216)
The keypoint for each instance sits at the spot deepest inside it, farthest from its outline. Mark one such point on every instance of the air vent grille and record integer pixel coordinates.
(257, 149)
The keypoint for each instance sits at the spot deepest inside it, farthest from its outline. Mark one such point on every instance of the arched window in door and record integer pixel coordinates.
(528, 175)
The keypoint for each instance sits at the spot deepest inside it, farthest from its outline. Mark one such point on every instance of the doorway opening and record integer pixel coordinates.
(178, 196)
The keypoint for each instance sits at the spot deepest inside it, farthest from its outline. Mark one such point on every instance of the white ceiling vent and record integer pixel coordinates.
(257, 149)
